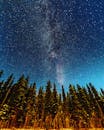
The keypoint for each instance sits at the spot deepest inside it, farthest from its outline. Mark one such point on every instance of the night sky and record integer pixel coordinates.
(57, 40)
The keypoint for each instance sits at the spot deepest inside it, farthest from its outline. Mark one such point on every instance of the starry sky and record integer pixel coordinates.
(57, 40)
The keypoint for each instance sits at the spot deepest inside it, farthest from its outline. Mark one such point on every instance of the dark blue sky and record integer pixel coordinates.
(57, 40)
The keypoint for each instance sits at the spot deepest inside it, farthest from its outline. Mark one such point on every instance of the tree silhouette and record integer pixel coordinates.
(22, 106)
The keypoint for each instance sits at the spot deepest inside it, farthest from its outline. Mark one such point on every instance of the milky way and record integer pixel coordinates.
(57, 40)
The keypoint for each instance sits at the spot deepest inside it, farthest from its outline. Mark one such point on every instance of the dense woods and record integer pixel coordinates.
(24, 105)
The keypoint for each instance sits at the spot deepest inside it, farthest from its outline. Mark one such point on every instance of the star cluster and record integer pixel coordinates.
(57, 40)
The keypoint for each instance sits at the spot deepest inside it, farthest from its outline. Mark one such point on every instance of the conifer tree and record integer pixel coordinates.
(18, 100)
(40, 103)
(48, 97)
(86, 111)
(54, 102)
(99, 106)
(64, 99)
(48, 100)
(6, 88)
(68, 103)
(76, 111)
(30, 105)
(91, 99)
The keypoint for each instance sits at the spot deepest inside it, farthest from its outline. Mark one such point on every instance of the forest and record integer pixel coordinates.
(23, 105)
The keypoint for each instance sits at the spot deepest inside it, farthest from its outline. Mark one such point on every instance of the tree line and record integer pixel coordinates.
(23, 105)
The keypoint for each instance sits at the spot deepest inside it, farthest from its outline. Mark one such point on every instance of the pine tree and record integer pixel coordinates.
(40, 103)
(68, 103)
(64, 99)
(98, 100)
(48, 99)
(99, 104)
(86, 111)
(30, 105)
(54, 99)
(18, 100)
(91, 99)
(76, 112)
(6, 89)
(40, 107)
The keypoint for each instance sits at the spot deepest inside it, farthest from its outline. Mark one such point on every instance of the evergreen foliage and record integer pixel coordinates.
(25, 105)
